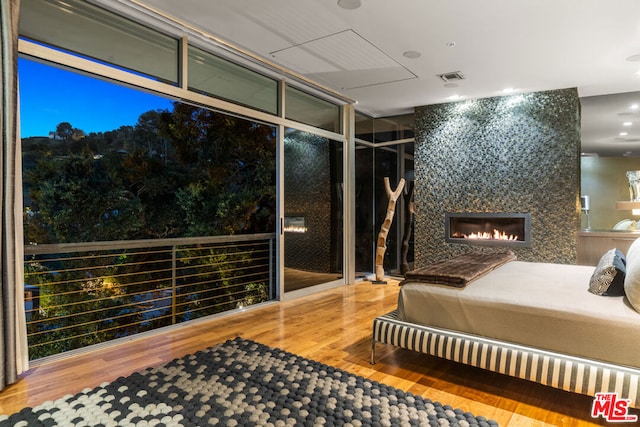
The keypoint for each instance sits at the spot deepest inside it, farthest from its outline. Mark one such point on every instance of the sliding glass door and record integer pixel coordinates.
(313, 210)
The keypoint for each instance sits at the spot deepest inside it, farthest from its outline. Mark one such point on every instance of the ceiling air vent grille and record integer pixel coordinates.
(451, 76)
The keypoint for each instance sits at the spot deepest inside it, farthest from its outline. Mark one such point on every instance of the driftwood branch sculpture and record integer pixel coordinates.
(386, 225)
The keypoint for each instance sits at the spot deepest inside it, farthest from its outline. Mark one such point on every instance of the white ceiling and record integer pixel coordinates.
(529, 45)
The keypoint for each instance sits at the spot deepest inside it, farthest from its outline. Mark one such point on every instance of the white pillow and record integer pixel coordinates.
(634, 246)
(632, 279)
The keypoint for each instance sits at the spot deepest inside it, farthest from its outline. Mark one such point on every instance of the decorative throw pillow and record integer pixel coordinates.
(608, 277)
(632, 277)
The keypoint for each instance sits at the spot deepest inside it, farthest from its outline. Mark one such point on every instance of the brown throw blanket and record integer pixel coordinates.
(461, 270)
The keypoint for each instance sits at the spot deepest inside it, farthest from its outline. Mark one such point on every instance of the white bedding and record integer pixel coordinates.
(540, 305)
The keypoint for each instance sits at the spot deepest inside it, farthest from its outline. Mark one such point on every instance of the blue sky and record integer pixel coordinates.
(50, 95)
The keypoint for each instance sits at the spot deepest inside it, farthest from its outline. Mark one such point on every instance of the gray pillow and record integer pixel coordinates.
(608, 277)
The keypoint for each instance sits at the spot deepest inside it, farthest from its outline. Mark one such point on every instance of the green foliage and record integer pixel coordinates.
(232, 164)
(186, 172)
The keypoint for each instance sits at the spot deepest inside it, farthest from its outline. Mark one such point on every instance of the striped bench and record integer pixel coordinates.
(557, 370)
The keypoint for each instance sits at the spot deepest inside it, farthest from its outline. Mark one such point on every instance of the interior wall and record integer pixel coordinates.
(604, 180)
(515, 153)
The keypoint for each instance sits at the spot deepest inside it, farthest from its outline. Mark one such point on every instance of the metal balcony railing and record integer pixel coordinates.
(80, 294)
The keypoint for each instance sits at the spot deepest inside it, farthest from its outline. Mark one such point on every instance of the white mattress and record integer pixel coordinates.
(541, 305)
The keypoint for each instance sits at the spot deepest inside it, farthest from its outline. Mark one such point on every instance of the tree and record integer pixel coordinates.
(187, 172)
(232, 162)
(64, 131)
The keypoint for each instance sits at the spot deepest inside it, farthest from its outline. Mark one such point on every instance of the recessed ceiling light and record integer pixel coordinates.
(634, 106)
(412, 54)
(627, 124)
(623, 134)
(349, 4)
(453, 97)
(508, 90)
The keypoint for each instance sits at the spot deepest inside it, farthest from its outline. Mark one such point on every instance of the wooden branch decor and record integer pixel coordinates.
(384, 229)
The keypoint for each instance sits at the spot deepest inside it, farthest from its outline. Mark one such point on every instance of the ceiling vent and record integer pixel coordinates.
(451, 76)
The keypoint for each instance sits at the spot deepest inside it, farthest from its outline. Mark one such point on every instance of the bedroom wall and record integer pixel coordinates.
(518, 153)
(604, 180)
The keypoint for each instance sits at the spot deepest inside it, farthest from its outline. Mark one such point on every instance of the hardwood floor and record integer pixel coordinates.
(333, 327)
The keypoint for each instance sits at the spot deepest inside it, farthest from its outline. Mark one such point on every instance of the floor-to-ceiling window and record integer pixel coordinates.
(365, 239)
(154, 172)
(384, 149)
(108, 167)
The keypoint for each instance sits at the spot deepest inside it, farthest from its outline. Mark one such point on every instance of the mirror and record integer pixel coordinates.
(610, 128)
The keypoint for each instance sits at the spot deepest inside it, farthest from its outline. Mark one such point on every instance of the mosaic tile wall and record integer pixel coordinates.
(308, 195)
(517, 153)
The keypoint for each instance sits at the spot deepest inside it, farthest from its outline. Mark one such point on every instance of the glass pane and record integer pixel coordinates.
(312, 210)
(133, 170)
(79, 27)
(365, 205)
(386, 165)
(311, 110)
(223, 79)
(108, 162)
(408, 220)
(394, 128)
(364, 127)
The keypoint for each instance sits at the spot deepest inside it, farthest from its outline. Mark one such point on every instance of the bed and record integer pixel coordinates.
(572, 327)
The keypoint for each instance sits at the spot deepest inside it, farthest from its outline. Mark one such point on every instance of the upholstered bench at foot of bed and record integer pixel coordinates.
(557, 370)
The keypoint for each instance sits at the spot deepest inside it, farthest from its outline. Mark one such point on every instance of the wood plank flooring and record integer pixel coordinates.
(333, 327)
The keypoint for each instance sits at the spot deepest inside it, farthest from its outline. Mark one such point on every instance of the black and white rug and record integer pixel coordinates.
(243, 383)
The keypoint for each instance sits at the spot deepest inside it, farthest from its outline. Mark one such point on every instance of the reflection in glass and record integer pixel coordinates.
(312, 210)
(393, 128)
(372, 165)
(311, 110)
(364, 127)
(365, 205)
(223, 79)
(87, 30)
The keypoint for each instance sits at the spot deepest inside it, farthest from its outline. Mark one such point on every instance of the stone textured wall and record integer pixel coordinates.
(517, 153)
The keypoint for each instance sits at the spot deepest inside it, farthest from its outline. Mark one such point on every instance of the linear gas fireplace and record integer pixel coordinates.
(488, 228)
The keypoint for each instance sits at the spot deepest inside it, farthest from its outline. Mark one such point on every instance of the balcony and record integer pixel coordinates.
(81, 294)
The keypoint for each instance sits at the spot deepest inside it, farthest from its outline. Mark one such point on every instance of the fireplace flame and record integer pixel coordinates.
(496, 235)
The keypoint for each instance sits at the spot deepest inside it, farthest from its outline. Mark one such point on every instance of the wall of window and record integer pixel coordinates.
(114, 163)
(198, 162)
(106, 163)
